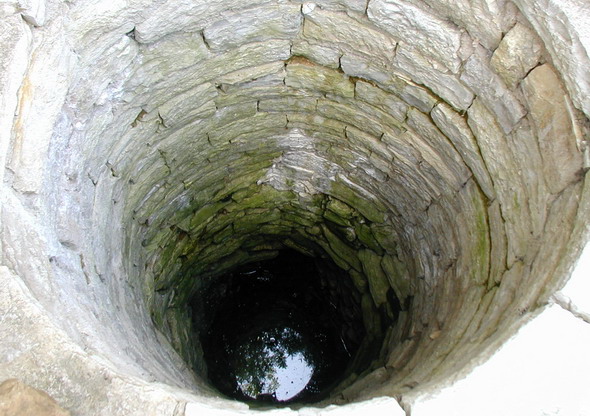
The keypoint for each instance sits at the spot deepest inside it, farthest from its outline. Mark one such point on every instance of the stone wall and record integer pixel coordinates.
(435, 150)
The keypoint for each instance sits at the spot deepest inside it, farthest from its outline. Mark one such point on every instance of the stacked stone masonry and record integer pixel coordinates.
(438, 151)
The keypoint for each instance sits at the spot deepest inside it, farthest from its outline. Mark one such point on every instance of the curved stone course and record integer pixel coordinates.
(437, 153)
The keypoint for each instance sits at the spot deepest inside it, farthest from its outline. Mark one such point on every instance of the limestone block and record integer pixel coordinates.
(280, 21)
(173, 53)
(15, 39)
(155, 88)
(479, 77)
(41, 354)
(325, 55)
(432, 36)
(510, 190)
(197, 102)
(304, 74)
(454, 126)
(437, 152)
(519, 51)
(348, 35)
(19, 399)
(184, 16)
(548, 102)
(249, 74)
(397, 275)
(362, 66)
(484, 20)
(563, 27)
(381, 99)
(411, 93)
(422, 70)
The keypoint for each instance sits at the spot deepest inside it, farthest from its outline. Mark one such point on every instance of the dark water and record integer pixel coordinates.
(276, 335)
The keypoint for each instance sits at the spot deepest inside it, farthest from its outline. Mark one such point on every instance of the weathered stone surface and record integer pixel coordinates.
(425, 71)
(378, 282)
(557, 141)
(519, 51)
(348, 35)
(488, 86)
(379, 98)
(455, 127)
(253, 25)
(19, 399)
(304, 74)
(562, 25)
(40, 98)
(470, 14)
(434, 37)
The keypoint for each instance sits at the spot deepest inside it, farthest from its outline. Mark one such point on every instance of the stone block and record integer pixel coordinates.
(278, 21)
(519, 52)
(563, 28)
(484, 20)
(508, 186)
(437, 152)
(489, 87)
(183, 108)
(348, 34)
(422, 70)
(432, 36)
(455, 128)
(303, 74)
(548, 103)
(325, 55)
(378, 283)
(377, 97)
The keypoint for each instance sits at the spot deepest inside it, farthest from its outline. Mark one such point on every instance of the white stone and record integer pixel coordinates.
(425, 71)
(490, 88)
(547, 100)
(519, 51)
(563, 26)
(349, 35)
(508, 184)
(484, 20)
(454, 126)
(433, 37)
(254, 25)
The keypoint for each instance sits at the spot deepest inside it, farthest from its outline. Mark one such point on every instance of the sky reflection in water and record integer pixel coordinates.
(273, 364)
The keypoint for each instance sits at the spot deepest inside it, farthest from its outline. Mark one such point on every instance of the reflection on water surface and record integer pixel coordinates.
(277, 334)
(273, 364)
